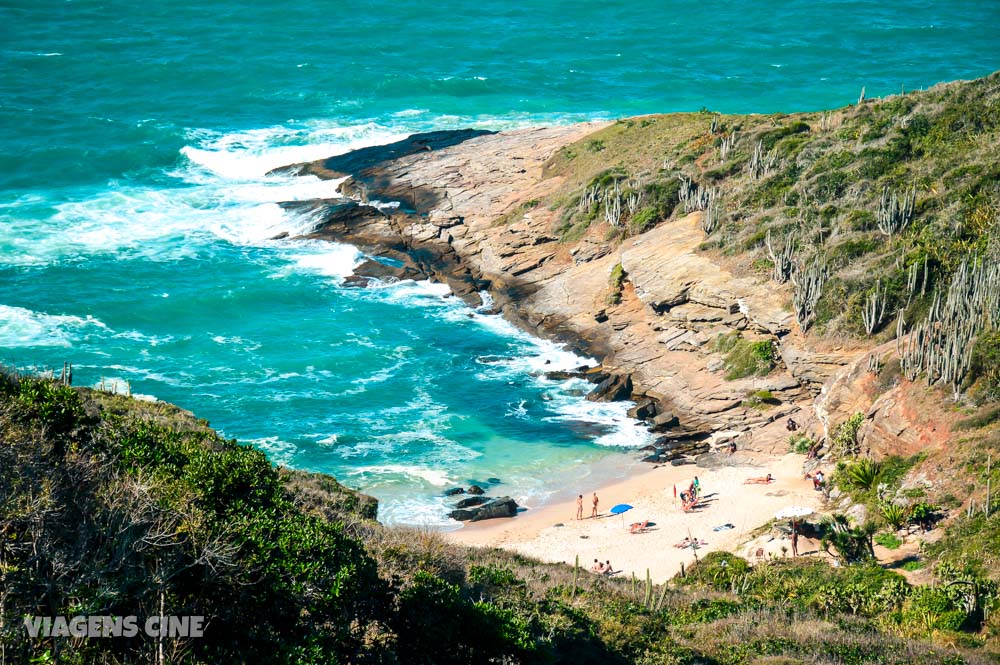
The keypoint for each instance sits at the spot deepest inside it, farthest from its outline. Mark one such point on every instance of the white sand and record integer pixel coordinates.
(651, 493)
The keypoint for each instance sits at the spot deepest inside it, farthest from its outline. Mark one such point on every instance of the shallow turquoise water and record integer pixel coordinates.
(135, 215)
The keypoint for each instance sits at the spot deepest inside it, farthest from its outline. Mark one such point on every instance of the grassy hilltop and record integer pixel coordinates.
(812, 186)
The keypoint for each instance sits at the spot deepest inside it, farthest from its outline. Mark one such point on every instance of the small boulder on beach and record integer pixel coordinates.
(472, 501)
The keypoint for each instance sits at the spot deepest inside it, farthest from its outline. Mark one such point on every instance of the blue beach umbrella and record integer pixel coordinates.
(621, 509)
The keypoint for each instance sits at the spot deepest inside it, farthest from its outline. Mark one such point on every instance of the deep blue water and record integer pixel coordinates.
(135, 214)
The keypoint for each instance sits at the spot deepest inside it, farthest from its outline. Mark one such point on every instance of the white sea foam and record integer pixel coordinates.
(21, 327)
(430, 476)
(278, 451)
(319, 257)
(250, 154)
(623, 432)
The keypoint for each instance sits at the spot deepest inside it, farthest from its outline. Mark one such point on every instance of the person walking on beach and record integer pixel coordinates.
(593, 513)
(579, 508)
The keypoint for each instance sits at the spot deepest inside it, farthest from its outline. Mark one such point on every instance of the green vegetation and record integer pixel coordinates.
(984, 375)
(894, 514)
(845, 436)
(616, 284)
(890, 541)
(111, 506)
(744, 357)
(761, 400)
(831, 182)
(799, 444)
(518, 212)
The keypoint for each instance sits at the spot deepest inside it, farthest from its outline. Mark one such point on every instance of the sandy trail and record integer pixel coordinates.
(551, 533)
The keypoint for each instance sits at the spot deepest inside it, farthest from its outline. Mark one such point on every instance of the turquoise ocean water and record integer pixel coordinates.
(135, 214)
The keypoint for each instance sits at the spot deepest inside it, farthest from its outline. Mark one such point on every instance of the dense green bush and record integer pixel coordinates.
(745, 358)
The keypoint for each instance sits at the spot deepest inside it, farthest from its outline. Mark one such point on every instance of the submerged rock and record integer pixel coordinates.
(453, 491)
(476, 489)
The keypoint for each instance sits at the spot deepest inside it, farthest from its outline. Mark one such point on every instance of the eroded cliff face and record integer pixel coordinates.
(464, 210)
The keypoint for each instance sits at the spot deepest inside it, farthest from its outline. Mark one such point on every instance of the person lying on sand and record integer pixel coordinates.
(690, 542)
(638, 527)
(762, 480)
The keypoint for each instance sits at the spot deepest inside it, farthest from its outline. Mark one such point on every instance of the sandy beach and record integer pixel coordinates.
(551, 532)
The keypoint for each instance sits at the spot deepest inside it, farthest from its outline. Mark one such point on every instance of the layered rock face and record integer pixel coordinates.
(463, 209)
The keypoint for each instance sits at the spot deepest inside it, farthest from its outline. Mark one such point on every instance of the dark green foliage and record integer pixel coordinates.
(852, 543)
(830, 185)
(717, 570)
(137, 514)
(769, 139)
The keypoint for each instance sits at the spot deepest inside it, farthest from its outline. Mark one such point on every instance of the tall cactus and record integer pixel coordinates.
(894, 213)
(874, 309)
(808, 281)
(761, 163)
(726, 146)
(711, 219)
(941, 345)
(783, 259)
(613, 205)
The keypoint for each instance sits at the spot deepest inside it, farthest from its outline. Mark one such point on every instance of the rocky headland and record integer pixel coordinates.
(461, 208)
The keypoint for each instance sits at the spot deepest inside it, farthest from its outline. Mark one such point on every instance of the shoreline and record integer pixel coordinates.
(552, 534)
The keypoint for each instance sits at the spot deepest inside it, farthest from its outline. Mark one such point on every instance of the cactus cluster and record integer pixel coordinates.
(911, 281)
(761, 163)
(895, 213)
(941, 345)
(809, 282)
(614, 201)
(693, 196)
(873, 313)
(783, 259)
(726, 146)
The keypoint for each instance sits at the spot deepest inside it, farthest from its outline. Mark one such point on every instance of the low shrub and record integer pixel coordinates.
(890, 541)
(745, 358)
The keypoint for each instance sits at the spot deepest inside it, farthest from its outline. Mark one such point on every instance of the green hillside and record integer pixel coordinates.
(110, 506)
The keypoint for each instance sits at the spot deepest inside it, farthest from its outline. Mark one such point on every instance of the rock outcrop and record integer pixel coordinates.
(491, 509)
(465, 217)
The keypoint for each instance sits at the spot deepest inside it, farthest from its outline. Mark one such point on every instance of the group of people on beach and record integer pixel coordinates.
(579, 506)
(690, 497)
(602, 568)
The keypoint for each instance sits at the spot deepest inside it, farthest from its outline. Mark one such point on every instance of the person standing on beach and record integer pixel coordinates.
(593, 513)
(795, 539)
(579, 509)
